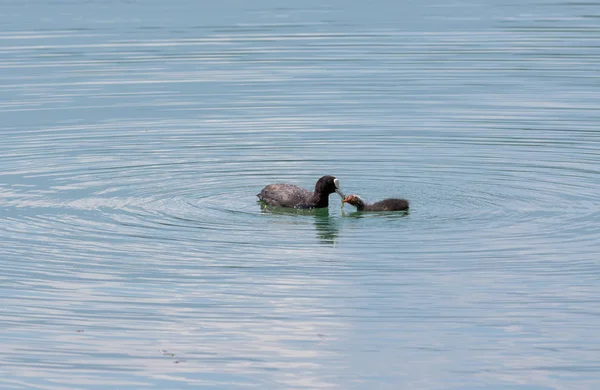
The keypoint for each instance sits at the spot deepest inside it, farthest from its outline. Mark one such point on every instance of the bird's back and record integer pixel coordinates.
(285, 195)
(391, 204)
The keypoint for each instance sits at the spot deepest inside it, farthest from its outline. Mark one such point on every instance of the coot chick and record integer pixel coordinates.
(289, 195)
(391, 204)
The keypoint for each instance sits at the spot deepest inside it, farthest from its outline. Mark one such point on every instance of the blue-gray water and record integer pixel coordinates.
(135, 135)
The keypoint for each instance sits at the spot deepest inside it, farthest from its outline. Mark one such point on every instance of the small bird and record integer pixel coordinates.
(391, 204)
(289, 195)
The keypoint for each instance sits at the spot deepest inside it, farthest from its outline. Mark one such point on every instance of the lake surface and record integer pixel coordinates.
(135, 136)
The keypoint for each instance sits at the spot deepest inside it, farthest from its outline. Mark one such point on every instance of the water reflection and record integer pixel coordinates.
(379, 214)
(327, 226)
(127, 204)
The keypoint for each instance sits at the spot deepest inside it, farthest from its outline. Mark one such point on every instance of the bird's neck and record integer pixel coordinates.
(321, 200)
(360, 204)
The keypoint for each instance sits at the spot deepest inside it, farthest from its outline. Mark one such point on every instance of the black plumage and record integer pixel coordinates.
(391, 204)
(289, 195)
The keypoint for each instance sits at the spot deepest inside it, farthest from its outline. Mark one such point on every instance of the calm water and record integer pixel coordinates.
(135, 136)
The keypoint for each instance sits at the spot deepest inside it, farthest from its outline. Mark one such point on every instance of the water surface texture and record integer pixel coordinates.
(136, 134)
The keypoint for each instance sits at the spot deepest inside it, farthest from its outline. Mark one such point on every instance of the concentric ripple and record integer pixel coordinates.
(134, 251)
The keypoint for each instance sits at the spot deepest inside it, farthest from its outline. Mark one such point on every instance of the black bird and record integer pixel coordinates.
(391, 204)
(289, 195)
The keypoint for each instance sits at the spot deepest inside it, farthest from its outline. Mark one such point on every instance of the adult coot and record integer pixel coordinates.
(391, 204)
(289, 195)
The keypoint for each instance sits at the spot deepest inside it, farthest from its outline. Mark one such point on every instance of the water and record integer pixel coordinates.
(135, 136)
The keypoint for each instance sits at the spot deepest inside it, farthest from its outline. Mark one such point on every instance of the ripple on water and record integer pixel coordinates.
(209, 185)
(132, 154)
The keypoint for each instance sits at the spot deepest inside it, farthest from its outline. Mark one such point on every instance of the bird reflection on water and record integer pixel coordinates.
(382, 214)
(327, 227)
